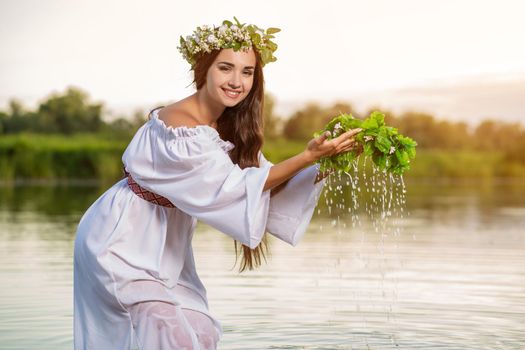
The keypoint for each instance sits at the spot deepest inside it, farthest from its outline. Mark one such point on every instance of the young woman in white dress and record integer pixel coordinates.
(135, 281)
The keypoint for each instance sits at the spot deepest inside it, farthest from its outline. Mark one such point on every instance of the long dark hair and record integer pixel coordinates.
(242, 125)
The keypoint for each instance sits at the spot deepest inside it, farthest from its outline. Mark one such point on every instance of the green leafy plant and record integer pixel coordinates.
(388, 149)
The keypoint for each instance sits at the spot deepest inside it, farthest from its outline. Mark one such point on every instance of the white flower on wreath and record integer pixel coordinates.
(392, 150)
(212, 39)
(205, 47)
(222, 29)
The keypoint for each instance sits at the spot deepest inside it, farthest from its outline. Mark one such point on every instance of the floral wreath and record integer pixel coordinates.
(236, 36)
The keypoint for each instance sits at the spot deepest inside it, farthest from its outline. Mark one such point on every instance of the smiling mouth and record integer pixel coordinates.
(231, 93)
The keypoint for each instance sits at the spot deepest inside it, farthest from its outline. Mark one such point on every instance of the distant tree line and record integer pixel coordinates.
(67, 113)
(72, 112)
(429, 132)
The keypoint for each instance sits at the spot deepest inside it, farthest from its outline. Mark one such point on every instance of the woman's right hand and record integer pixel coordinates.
(322, 147)
(317, 148)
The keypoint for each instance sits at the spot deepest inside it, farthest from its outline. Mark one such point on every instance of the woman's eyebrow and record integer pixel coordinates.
(232, 65)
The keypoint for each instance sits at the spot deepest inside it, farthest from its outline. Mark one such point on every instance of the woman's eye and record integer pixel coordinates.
(225, 69)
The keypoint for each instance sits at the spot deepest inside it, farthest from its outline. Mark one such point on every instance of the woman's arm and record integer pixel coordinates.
(317, 148)
(319, 177)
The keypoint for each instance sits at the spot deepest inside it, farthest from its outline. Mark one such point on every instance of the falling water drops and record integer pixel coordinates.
(370, 202)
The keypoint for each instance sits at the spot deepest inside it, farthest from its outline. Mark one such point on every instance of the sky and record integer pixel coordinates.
(442, 56)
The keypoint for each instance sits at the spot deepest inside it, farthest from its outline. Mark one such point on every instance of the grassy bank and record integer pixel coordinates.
(50, 157)
(28, 156)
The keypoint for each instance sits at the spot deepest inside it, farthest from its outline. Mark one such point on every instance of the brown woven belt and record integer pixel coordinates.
(147, 195)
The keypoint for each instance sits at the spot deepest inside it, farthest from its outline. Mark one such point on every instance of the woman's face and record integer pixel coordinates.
(230, 77)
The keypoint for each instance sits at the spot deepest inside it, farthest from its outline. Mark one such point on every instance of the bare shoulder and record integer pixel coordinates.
(177, 116)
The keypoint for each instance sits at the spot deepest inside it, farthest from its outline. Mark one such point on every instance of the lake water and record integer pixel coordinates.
(451, 277)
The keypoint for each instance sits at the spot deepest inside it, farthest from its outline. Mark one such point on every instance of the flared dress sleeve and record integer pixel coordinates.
(191, 168)
(292, 208)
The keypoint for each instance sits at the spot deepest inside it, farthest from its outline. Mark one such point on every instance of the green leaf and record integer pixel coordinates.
(411, 152)
(391, 131)
(272, 30)
(379, 159)
(369, 149)
(382, 142)
(236, 20)
(379, 117)
(402, 157)
(407, 141)
(265, 55)
(271, 45)
(370, 123)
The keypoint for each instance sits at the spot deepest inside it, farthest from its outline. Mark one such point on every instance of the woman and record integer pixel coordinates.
(198, 158)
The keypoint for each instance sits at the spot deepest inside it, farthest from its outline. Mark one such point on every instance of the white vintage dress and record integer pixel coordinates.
(135, 280)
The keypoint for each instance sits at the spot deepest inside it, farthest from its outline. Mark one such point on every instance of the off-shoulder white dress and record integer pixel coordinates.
(135, 280)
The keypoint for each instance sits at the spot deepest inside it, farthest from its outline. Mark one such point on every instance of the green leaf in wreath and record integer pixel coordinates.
(272, 30)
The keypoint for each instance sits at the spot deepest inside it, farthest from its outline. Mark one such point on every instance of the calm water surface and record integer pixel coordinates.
(453, 278)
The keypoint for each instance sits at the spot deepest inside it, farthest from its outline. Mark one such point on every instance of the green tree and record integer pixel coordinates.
(18, 118)
(120, 128)
(303, 122)
(516, 151)
(3, 121)
(420, 127)
(491, 134)
(69, 113)
(271, 121)
(508, 138)
(452, 135)
(312, 118)
(139, 118)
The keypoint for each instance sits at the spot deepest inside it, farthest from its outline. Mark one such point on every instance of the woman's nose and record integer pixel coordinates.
(234, 82)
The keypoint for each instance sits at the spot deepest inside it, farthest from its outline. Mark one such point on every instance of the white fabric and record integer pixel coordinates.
(134, 272)
(292, 208)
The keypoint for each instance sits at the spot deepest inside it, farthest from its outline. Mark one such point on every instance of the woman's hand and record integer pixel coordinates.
(316, 149)
(322, 147)
(358, 150)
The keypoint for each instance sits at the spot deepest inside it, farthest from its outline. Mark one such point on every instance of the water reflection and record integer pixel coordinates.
(47, 200)
(452, 278)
